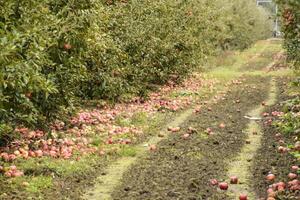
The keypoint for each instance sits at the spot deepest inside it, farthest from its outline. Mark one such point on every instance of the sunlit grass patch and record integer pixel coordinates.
(30, 184)
(183, 93)
(139, 118)
(127, 151)
(57, 167)
(277, 73)
(224, 73)
(97, 140)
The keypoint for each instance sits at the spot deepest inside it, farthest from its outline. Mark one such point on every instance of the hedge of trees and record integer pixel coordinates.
(290, 10)
(54, 53)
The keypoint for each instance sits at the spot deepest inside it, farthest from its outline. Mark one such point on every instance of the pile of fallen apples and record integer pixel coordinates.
(11, 171)
(225, 185)
(279, 187)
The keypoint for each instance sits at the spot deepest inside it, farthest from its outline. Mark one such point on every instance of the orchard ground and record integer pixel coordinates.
(169, 146)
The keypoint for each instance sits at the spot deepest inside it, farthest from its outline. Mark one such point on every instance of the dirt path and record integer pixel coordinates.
(181, 168)
(240, 166)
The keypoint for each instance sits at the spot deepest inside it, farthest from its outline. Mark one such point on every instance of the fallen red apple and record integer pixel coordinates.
(176, 129)
(192, 130)
(39, 153)
(295, 188)
(278, 135)
(208, 130)
(295, 168)
(12, 157)
(110, 141)
(197, 110)
(270, 190)
(266, 114)
(17, 174)
(280, 188)
(8, 174)
(31, 154)
(282, 143)
(186, 136)
(243, 197)
(292, 176)
(152, 147)
(233, 179)
(128, 141)
(280, 184)
(282, 149)
(214, 182)
(270, 177)
(222, 125)
(293, 183)
(223, 186)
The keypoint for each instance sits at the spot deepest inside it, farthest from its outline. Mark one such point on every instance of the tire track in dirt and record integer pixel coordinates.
(240, 166)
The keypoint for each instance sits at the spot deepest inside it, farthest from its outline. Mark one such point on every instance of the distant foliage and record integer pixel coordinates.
(54, 53)
(290, 10)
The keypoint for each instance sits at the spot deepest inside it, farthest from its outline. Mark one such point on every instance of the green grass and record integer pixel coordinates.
(59, 167)
(137, 119)
(127, 151)
(202, 135)
(39, 183)
(97, 140)
(224, 74)
(41, 172)
(278, 73)
(183, 93)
